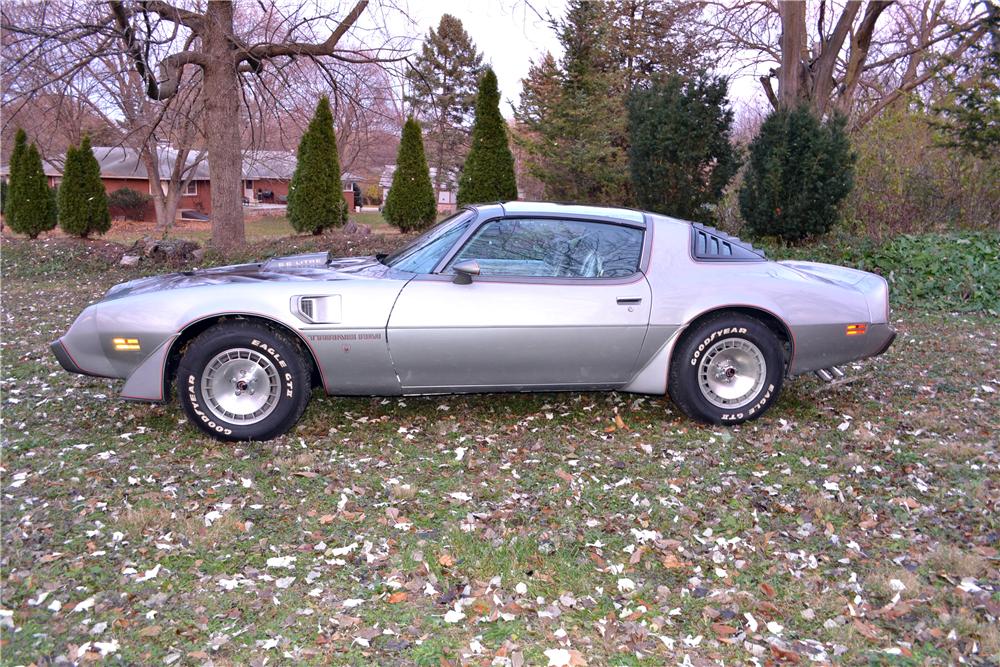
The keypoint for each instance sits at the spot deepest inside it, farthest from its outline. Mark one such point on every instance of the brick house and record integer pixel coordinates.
(266, 177)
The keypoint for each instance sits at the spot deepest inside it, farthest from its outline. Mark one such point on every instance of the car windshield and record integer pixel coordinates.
(423, 253)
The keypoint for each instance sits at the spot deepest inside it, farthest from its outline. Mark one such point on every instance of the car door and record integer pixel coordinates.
(558, 303)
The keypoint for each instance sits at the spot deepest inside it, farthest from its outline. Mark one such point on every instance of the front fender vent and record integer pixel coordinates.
(709, 244)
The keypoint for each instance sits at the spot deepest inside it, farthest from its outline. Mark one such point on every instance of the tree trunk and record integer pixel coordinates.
(222, 131)
(791, 84)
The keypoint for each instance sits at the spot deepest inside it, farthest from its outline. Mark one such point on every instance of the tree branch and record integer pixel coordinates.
(259, 52)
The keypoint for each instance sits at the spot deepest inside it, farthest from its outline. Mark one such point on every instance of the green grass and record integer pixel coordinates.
(796, 514)
(265, 228)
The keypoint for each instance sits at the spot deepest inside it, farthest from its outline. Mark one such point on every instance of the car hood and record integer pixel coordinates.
(311, 266)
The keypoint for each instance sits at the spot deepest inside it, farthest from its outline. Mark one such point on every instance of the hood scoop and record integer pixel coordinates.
(309, 260)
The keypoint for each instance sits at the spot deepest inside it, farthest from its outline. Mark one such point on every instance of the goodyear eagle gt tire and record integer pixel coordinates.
(243, 381)
(727, 370)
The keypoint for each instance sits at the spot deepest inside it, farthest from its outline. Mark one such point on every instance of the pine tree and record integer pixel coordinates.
(572, 116)
(488, 174)
(31, 210)
(83, 202)
(573, 120)
(680, 155)
(442, 96)
(410, 204)
(315, 199)
(800, 170)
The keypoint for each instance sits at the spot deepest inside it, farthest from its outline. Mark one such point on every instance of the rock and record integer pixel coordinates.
(173, 250)
(130, 260)
(357, 228)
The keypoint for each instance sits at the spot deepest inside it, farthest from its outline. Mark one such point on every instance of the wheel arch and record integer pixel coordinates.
(775, 323)
(193, 329)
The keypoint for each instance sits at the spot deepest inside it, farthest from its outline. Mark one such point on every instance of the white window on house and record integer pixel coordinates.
(163, 188)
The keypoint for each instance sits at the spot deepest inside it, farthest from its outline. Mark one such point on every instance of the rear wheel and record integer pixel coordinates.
(727, 370)
(243, 381)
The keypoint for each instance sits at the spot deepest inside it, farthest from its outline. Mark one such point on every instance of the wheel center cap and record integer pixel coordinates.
(241, 386)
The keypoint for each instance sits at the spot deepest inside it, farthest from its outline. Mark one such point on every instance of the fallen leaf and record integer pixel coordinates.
(867, 629)
(723, 629)
(672, 562)
(150, 631)
(399, 596)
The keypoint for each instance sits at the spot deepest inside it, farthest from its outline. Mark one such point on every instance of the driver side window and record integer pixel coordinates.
(553, 248)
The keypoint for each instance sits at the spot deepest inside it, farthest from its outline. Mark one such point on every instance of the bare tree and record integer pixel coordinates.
(852, 57)
(366, 111)
(164, 42)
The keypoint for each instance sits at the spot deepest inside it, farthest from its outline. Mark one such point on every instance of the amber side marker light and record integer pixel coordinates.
(126, 344)
(856, 329)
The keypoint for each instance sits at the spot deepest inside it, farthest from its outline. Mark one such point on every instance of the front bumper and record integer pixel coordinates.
(66, 360)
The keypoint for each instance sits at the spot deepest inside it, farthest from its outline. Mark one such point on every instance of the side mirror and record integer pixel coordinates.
(464, 271)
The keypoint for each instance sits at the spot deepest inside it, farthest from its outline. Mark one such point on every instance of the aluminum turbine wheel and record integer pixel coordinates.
(240, 386)
(731, 373)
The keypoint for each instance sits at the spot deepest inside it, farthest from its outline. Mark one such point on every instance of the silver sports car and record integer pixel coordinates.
(500, 297)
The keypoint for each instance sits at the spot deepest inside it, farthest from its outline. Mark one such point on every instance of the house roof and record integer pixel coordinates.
(385, 181)
(125, 162)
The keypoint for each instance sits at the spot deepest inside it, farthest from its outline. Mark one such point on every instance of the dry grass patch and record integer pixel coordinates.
(949, 559)
(886, 581)
(137, 521)
(222, 530)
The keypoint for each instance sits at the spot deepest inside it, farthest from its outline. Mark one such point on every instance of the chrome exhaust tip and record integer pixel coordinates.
(837, 373)
(824, 375)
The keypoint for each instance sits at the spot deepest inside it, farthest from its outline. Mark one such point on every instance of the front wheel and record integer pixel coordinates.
(727, 370)
(243, 381)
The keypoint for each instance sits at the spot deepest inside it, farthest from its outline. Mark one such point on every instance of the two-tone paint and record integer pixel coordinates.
(389, 332)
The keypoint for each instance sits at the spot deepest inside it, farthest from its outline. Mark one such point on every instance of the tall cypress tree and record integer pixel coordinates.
(410, 204)
(488, 174)
(30, 209)
(315, 200)
(16, 156)
(83, 202)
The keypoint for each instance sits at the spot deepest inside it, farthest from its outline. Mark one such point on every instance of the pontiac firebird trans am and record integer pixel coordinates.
(501, 297)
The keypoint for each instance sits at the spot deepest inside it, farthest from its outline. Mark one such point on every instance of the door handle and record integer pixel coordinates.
(629, 300)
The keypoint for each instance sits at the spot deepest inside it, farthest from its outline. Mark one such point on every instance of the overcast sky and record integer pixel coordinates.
(510, 36)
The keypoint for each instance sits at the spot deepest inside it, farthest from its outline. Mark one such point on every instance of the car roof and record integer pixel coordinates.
(552, 208)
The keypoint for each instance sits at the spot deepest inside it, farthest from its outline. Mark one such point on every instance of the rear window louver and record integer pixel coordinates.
(709, 243)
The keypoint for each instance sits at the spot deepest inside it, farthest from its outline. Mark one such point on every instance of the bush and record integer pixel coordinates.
(131, 203)
(488, 173)
(907, 182)
(410, 204)
(30, 209)
(800, 170)
(83, 202)
(680, 155)
(315, 200)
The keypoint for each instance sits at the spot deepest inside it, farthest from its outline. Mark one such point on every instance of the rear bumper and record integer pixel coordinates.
(66, 360)
(888, 342)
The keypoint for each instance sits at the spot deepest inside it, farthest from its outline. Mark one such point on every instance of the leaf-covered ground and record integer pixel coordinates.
(852, 524)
